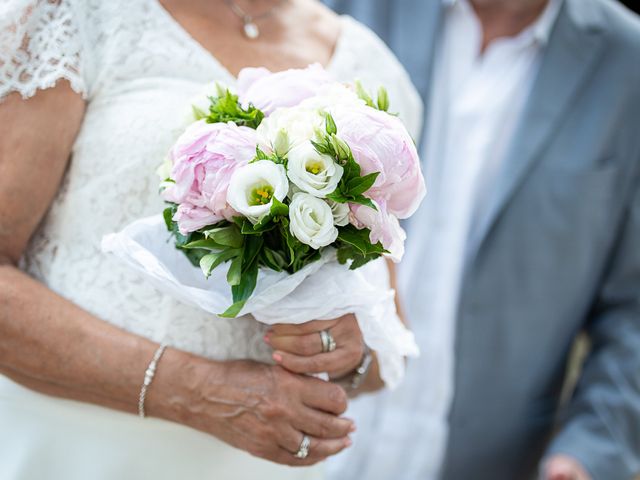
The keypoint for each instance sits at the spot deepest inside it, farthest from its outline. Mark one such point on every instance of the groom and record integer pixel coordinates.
(530, 234)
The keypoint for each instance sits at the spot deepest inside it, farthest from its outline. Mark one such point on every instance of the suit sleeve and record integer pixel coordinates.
(601, 428)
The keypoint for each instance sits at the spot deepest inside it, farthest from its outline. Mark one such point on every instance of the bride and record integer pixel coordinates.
(92, 94)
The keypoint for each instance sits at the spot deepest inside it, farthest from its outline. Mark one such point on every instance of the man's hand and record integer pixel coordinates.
(564, 467)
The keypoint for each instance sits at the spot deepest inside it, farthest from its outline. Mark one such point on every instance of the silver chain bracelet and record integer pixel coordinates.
(149, 374)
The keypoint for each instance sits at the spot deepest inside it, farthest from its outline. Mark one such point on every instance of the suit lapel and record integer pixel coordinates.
(573, 49)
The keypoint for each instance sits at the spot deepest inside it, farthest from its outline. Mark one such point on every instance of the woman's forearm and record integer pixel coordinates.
(51, 345)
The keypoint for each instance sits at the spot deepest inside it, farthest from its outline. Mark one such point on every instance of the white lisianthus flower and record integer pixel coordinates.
(340, 212)
(313, 172)
(311, 221)
(300, 125)
(253, 187)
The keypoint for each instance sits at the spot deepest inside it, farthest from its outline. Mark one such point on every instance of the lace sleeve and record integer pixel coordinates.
(40, 43)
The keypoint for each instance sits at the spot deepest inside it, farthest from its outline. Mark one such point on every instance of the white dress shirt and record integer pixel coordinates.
(476, 102)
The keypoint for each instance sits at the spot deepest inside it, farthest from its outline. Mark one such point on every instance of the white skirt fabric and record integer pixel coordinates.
(46, 438)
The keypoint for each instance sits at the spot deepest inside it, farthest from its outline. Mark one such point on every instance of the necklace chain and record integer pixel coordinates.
(250, 28)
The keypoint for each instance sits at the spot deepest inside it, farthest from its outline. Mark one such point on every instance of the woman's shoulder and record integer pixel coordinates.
(43, 41)
(362, 54)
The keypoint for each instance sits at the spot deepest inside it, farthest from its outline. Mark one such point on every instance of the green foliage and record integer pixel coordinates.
(243, 275)
(352, 185)
(355, 245)
(226, 108)
(382, 100)
(273, 157)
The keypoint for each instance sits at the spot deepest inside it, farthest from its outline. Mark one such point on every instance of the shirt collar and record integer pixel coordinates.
(541, 29)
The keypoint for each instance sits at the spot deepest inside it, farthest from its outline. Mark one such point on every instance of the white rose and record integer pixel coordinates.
(300, 125)
(340, 212)
(253, 187)
(313, 172)
(311, 221)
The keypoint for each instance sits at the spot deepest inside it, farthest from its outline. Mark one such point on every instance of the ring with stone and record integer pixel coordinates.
(303, 451)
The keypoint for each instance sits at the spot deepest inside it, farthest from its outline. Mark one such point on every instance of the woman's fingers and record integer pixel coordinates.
(319, 450)
(324, 396)
(322, 425)
(323, 448)
(316, 326)
(339, 361)
(304, 345)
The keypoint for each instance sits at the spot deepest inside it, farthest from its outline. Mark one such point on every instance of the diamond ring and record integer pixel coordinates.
(303, 451)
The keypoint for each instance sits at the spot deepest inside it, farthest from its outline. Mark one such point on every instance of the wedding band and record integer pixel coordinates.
(328, 343)
(303, 451)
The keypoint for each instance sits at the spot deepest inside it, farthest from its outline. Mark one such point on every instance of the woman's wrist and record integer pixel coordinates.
(368, 380)
(178, 383)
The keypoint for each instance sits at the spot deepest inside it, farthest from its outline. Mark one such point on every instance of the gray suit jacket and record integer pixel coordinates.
(558, 252)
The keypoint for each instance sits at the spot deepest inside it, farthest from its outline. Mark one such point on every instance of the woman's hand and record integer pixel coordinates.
(261, 409)
(298, 348)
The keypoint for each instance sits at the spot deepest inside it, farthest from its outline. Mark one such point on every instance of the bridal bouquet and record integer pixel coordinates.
(285, 193)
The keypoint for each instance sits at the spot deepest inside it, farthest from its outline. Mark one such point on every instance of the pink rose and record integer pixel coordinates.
(381, 143)
(204, 158)
(269, 91)
(385, 228)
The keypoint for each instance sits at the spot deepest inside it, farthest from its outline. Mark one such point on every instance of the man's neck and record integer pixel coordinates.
(505, 18)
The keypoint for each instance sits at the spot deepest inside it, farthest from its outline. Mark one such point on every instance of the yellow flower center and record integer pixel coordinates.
(261, 195)
(314, 167)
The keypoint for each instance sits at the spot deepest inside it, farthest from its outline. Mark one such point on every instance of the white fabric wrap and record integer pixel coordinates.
(322, 290)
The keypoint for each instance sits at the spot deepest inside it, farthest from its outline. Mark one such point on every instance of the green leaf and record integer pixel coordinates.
(278, 209)
(167, 214)
(205, 244)
(341, 149)
(229, 236)
(198, 113)
(338, 197)
(260, 155)
(330, 125)
(242, 292)
(359, 185)
(251, 250)
(209, 262)
(226, 108)
(235, 271)
(383, 99)
(324, 148)
(273, 259)
(360, 239)
(362, 200)
(362, 93)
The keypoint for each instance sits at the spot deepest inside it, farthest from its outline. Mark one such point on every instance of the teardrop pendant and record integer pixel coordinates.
(251, 30)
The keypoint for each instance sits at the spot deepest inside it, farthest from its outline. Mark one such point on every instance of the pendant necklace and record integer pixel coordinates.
(249, 25)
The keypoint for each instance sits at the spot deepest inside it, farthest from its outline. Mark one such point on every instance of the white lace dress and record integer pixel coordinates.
(137, 68)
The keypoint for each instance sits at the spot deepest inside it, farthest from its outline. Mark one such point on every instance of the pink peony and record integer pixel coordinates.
(385, 228)
(204, 158)
(381, 143)
(269, 91)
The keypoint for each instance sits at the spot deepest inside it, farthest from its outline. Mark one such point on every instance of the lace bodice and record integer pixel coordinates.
(137, 68)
